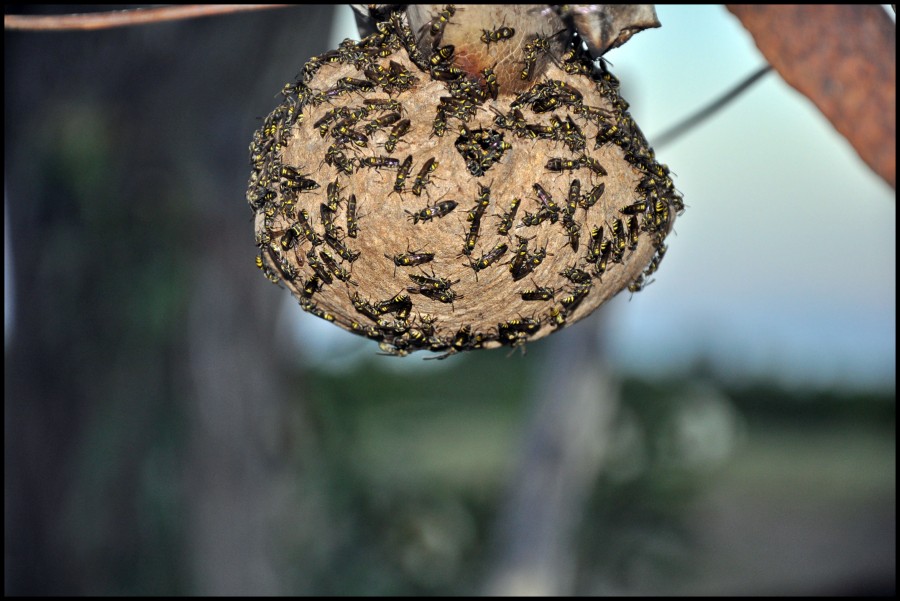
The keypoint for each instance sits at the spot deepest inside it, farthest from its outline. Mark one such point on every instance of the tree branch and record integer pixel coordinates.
(125, 18)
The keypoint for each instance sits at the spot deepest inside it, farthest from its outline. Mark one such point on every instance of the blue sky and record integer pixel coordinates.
(783, 264)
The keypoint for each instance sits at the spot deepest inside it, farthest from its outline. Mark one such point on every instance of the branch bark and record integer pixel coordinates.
(124, 18)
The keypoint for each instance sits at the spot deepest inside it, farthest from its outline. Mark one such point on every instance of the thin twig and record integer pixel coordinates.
(709, 110)
(124, 18)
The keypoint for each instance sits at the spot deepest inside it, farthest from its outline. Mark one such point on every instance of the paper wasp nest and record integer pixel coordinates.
(443, 189)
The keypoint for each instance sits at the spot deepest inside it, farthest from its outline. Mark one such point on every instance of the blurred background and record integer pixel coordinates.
(174, 424)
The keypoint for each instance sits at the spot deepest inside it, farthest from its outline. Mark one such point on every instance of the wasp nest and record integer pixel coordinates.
(472, 191)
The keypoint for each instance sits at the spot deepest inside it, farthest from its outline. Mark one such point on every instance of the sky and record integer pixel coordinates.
(783, 264)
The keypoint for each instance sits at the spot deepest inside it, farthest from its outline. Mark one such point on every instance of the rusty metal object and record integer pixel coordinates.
(844, 59)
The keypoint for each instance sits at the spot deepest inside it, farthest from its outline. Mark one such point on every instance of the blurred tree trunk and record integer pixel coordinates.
(151, 443)
(574, 402)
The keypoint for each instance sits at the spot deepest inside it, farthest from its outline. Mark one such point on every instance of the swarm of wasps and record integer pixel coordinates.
(547, 247)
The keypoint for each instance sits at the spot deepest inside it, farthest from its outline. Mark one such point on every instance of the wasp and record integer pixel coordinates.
(443, 296)
(439, 125)
(340, 248)
(376, 73)
(483, 200)
(311, 286)
(351, 135)
(557, 317)
(332, 56)
(524, 325)
(338, 160)
(399, 303)
(512, 337)
(601, 265)
(592, 113)
(472, 234)
(390, 348)
(380, 162)
(619, 241)
(606, 133)
(489, 258)
(638, 284)
(539, 293)
(572, 63)
(632, 232)
(355, 85)
(539, 43)
(306, 228)
(397, 132)
(530, 60)
(618, 229)
(270, 275)
(443, 17)
(311, 67)
(514, 121)
(571, 302)
(417, 337)
(311, 307)
(446, 73)
(571, 135)
(378, 104)
(656, 260)
(339, 272)
(521, 254)
(560, 165)
(407, 38)
(575, 275)
(352, 225)
(533, 219)
(290, 237)
(574, 196)
(572, 230)
(503, 33)
(399, 78)
(333, 194)
(318, 267)
(591, 198)
(538, 131)
(632, 209)
(381, 122)
(525, 98)
(440, 209)
(595, 245)
(402, 174)
(490, 82)
(592, 164)
(545, 198)
(364, 307)
(292, 180)
(431, 281)
(327, 217)
(367, 331)
(543, 105)
(343, 126)
(411, 259)
(506, 219)
(422, 178)
(462, 341)
(528, 265)
(563, 90)
(442, 55)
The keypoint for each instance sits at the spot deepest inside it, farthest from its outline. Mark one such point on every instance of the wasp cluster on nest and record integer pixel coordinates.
(454, 196)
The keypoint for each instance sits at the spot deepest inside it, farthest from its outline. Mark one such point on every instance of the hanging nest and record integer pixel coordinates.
(442, 189)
